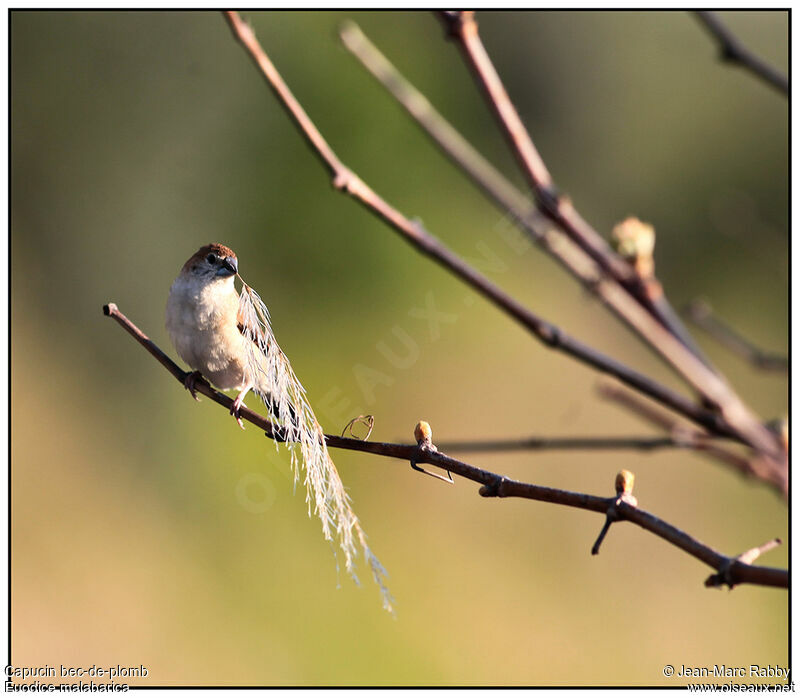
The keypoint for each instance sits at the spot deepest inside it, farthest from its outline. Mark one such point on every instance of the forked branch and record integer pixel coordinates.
(511, 201)
(462, 26)
(413, 232)
(734, 51)
(728, 570)
(774, 472)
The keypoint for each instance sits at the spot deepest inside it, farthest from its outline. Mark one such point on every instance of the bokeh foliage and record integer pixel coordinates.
(147, 529)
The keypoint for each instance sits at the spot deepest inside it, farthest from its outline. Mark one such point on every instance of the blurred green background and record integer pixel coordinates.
(148, 529)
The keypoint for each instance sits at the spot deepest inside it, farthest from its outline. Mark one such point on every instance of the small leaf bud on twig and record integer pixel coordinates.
(635, 242)
(423, 433)
(623, 484)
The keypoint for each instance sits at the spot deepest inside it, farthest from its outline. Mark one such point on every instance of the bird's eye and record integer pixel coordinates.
(212, 258)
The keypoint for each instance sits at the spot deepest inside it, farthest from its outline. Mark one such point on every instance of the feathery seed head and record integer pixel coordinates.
(275, 382)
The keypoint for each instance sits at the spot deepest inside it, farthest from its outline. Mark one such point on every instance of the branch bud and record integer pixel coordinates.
(624, 482)
(635, 242)
(423, 433)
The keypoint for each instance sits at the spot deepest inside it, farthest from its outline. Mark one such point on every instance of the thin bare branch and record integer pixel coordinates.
(772, 471)
(734, 51)
(713, 388)
(551, 336)
(462, 26)
(702, 315)
(753, 554)
(735, 570)
(588, 443)
(510, 200)
(748, 557)
(649, 293)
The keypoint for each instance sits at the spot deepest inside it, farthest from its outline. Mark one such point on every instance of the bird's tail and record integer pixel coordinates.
(284, 395)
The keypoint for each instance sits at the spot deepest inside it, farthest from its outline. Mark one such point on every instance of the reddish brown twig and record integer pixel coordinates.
(734, 51)
(413, 232)
(510, 200)
(464, 28)
(493, 485)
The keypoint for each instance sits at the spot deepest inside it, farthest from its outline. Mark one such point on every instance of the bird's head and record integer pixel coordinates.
(212, 262)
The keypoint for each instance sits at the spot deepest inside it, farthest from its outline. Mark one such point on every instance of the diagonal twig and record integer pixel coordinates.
(413, 232)
(509, 199)
(734, 51)
(773, 472)
(463, 27)
(735, 570)
(649, 293)
(702, 315)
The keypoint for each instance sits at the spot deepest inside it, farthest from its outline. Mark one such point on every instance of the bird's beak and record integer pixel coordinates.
(229, 267)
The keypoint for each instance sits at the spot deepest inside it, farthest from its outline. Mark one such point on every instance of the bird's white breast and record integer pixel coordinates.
(201, 321)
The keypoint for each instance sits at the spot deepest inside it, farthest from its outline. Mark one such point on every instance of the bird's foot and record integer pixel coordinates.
(237, 405)
(190, 383)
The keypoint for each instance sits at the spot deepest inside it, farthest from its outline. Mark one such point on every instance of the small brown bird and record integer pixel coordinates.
(203, 321)
(226, 337)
